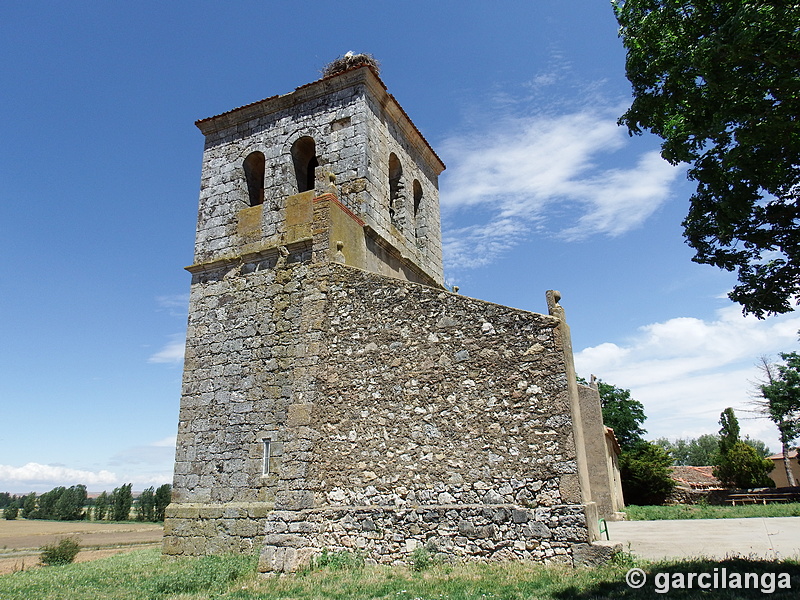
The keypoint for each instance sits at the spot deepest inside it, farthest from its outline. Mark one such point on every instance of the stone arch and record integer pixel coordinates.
(305, 160)
(254, 166)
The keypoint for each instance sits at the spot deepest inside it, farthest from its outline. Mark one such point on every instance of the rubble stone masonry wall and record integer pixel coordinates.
(398, 415)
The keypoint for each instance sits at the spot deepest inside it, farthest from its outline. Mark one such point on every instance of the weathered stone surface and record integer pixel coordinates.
(328, 406)
(594, 555)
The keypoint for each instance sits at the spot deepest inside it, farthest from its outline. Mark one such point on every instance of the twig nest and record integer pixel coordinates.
(349, 61)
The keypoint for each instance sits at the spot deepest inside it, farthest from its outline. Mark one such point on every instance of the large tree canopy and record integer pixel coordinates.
(719, 82)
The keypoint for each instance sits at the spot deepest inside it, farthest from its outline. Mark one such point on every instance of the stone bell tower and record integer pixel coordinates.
(335, 394)
(342, 139)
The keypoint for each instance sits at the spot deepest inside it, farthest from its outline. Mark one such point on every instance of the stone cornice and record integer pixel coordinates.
(363, 75)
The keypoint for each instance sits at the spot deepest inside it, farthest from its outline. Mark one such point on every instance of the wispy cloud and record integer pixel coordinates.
(160, 452)
(176, 305)
(687, 370)
(542, 171)
(172, 352)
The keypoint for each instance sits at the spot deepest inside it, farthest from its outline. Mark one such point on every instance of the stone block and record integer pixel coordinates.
(284, 540)
(537, 529)
(259, 510)
(520, 516)
(294, 500)
(298, 414)
(594, 555)
(466, 529)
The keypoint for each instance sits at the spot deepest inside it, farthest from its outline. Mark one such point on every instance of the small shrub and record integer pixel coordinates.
(61, 553)
(421, 559)
(10, 512)
(338, 560)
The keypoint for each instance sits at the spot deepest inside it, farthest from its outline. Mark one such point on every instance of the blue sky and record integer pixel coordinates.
(99, 177)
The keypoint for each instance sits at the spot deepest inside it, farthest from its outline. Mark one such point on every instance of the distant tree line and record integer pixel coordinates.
(740, 463)
(702, 451)
(73, 504)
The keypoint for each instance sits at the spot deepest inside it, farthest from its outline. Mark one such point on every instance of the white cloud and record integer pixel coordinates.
(35, 473)
(167, 442)
(142, 466)
(176, 305)
(686, 370)
(172, 352)
(521, 173)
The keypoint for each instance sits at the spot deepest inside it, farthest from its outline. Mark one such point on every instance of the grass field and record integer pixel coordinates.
(699, 511)
(143, 575)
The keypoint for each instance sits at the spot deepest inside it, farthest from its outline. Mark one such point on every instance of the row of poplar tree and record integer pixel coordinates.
(73, 504)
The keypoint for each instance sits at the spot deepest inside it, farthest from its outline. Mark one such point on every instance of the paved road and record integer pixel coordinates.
(769, 538)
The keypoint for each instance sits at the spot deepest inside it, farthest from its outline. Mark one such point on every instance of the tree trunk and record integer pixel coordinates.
(787, 464)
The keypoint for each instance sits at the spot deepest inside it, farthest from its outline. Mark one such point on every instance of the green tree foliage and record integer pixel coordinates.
(719, 82)
(121, 502)
(145, 505)
(697, 452)
(60, 504)
(69, 506)
(781, 393)
(646, 475)
(101, 506)
(29, 505)
(729, 432)
(760, 447)
(46, 504)
(742, 467)
(163, 496)
(7, 499)
(151, 503)
(703, 451)
(738, 464)
(622, 413)
(10, 512)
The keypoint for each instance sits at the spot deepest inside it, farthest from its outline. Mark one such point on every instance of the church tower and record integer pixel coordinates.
(343, 139)
(335, 394)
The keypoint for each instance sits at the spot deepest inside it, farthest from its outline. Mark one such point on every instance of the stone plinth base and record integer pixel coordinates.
(458, 532)
(198, 529)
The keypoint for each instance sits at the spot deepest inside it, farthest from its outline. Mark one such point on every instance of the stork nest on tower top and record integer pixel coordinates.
(349, 61)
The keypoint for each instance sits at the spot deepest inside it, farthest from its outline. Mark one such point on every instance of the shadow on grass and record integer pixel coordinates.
(730, 578)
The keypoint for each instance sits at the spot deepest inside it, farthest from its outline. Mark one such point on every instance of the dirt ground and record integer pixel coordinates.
(20, 540)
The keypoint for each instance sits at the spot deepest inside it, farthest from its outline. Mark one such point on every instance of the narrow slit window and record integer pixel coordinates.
(265, 458)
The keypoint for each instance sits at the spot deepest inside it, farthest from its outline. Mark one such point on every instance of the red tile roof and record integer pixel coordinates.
(700, 478)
